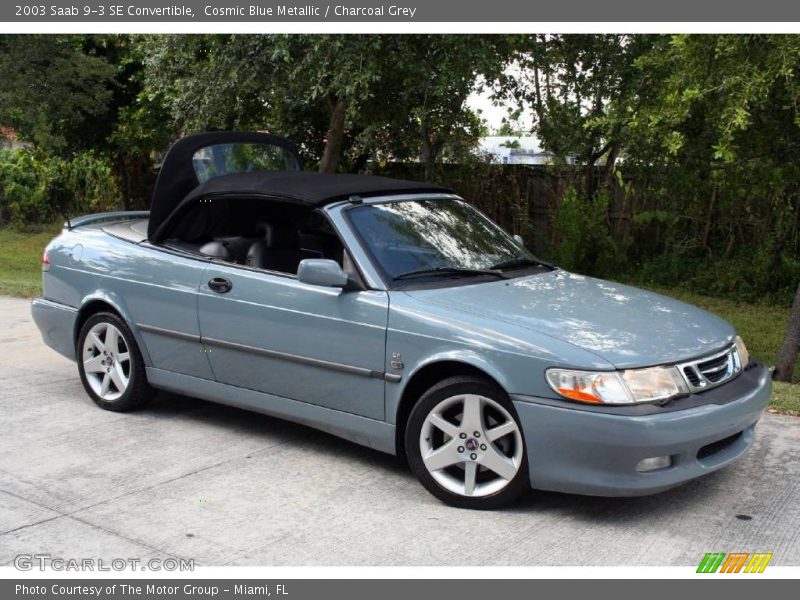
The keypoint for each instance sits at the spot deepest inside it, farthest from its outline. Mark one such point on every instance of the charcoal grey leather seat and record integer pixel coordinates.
(279, 249)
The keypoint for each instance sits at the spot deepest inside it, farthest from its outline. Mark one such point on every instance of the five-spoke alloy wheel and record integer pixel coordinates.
(110, 364)
(106, 361)
(465, 444)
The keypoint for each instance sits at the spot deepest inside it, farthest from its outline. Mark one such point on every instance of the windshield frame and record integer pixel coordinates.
(391, 283)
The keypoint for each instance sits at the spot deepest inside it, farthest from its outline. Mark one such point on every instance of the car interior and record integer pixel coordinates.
(259, 233)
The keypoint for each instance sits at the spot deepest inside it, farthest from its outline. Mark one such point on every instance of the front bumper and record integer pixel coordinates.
(56, 322)
(595, 453)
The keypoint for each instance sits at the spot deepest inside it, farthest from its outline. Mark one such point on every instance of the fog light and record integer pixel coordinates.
(654, 463)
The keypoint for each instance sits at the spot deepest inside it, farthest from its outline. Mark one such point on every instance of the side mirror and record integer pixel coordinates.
(519, 240)
(321, 271)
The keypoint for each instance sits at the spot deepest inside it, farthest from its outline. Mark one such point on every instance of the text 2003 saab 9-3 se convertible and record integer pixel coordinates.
(395, 315)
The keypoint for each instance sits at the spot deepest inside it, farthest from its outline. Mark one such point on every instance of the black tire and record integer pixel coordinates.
(138, 392)
(443, 390)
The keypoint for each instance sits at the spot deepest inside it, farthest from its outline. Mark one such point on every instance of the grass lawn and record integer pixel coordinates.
(785, 398)
(21, 260)
(761, 325)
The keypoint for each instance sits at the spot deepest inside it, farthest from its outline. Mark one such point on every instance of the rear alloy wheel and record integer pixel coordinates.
(465, 445)
(110, 364)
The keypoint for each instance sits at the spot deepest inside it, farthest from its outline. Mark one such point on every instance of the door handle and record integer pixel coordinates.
(220, 285)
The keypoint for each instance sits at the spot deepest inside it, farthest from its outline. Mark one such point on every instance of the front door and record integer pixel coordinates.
(271, 333)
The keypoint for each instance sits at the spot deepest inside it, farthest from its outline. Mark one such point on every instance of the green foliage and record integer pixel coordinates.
(53, 92)
(582, 89)
(688, 159)
(583, 241)
(23, 196)
(36, 188)
(743, 277)
(699, 131)
(404, 96)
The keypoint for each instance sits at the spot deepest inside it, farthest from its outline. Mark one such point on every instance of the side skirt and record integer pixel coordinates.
(361, 430)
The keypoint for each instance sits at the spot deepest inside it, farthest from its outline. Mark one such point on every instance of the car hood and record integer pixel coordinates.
(626, 326)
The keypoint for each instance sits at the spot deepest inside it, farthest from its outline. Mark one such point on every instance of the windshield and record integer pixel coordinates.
(438, 238)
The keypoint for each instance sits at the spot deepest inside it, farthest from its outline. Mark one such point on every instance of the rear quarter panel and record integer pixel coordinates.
(142, 283)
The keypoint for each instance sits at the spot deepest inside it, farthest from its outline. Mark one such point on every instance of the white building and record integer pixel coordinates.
(514, 150)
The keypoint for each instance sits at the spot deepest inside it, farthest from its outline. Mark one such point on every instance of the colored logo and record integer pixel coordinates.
(735, 562)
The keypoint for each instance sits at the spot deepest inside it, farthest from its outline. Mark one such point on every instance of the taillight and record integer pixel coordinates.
(45, 261)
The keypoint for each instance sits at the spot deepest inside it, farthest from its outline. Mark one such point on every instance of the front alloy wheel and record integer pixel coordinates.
(466, 446)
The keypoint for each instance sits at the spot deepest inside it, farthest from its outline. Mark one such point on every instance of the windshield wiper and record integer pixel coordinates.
(448, 271)
(521, 261)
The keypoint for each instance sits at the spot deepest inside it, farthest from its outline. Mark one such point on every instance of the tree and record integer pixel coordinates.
(583, 90)
(73, 94)
(136, 127)
(56, 91)
(309, 87)
(708, 127)
(431, 79)
(726, 115)
(345, 99)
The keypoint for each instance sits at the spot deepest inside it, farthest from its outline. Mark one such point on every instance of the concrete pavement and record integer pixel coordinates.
(186, 478)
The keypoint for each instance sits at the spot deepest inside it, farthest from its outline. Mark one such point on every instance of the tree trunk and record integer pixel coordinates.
(590, 181)
(538, 105)
(426, 156)
(135, 177)
(787, 356)
(731, 244)
(711, 206)
(611, 161)
(333, 144)
(429, 152)
(124, 184)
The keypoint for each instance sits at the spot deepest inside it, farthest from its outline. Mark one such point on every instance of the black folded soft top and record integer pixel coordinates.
(178, 187)
(314, 189)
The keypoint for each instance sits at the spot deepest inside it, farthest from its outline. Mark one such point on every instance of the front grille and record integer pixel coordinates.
(715, 369)
(711, 371)
(718, 446)
(692, 376)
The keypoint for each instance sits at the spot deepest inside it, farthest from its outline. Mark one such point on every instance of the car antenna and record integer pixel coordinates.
(356, 200)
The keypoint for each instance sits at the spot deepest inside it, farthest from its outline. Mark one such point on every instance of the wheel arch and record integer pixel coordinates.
(429, 374)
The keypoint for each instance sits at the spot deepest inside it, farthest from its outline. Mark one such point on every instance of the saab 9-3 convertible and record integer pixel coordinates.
(394, 314)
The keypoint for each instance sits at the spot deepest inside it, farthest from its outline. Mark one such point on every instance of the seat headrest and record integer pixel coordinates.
(280, 236)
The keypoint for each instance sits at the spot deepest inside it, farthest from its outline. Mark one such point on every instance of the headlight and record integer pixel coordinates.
(597, 387)
(741, 350)
(617, 387)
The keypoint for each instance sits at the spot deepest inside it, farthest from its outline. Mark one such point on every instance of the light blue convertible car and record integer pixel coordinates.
(395, 315)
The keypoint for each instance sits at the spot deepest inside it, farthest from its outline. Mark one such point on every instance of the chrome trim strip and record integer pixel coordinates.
(304, 360)
(394, 197)
(53, 304)
(190, 337)
(120, 215)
